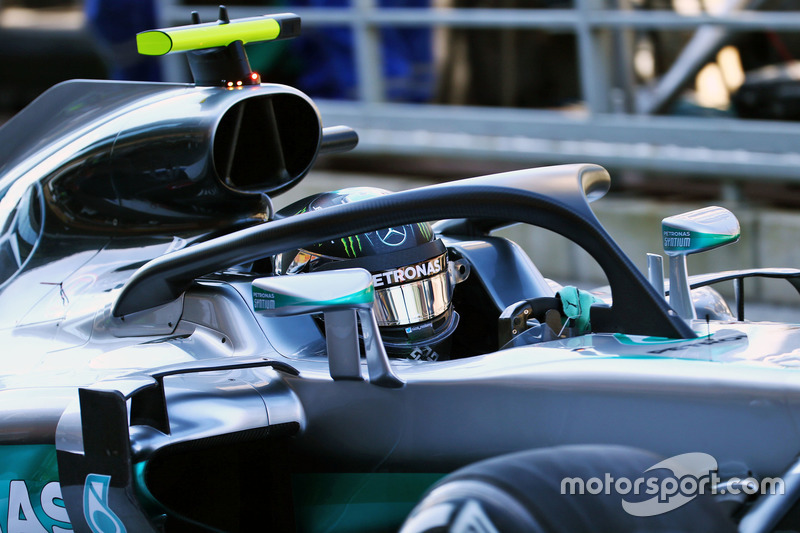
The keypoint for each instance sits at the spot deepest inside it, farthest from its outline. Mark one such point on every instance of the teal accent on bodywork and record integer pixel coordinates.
(263, 300)
(96, 510)
(722, 346)
(29, 469)
(143, 495)
(151, 505)
(684, 241)
(369, 502)
(645, 341)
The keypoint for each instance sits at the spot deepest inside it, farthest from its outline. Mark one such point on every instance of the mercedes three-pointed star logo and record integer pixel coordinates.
(392, 236)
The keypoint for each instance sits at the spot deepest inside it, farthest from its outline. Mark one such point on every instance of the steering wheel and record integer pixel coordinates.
(540, 317)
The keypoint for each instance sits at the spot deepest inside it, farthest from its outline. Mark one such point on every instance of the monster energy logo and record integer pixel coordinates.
(425, 229)
(350, 244)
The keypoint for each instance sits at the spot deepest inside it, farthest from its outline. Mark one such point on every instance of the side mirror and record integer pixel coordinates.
(344, 297)
(317, 292)
(690, 233)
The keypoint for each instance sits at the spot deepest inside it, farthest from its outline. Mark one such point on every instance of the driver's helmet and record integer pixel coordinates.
(411, 275)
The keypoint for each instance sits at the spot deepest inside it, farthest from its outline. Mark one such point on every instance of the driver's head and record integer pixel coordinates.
(410, 272)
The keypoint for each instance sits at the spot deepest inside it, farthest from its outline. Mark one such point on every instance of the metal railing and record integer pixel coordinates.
(619, 136)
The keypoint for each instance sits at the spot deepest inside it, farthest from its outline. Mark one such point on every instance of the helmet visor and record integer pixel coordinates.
(414, 301)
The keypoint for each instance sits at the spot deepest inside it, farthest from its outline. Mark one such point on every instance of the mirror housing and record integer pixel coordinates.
(344, 297)
(317, 292)
(690, 233)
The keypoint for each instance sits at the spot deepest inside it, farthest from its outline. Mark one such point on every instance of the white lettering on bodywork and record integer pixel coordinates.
(21, 516)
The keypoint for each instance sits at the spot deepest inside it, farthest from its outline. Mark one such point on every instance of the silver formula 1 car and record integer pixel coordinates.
(177, 355)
